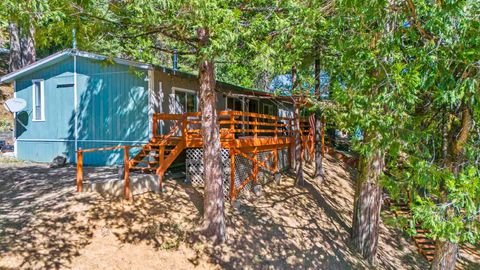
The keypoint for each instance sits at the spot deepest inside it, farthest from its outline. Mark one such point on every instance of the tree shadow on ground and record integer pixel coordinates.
(45, 224)
(41, 223)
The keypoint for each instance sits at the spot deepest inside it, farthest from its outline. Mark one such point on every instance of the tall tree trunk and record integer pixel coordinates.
(298, 135)
(367, 204)
(319, 171)
(213, 217)
(318, 128)
(445, 256)
(298, 148)
(15, 61)
(22, 46)
(27, 45)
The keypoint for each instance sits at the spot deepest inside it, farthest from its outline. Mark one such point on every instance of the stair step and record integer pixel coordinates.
(146, 162)
(143, 169)
(428, 252)
(143, 155)
(427, 247)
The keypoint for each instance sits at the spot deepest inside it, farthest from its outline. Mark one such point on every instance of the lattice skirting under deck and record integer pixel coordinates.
(243, 168)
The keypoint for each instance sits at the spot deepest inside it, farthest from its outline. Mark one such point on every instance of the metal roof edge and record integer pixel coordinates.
(12, 75)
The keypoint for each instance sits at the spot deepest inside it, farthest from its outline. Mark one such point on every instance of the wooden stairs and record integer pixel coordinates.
(425, 245)
(157, 155)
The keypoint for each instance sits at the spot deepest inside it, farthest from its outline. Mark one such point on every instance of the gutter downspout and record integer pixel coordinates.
(15, 146)
(75, 101)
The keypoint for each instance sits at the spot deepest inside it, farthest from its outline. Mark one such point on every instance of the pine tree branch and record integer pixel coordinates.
(416, 22)
(174, 51)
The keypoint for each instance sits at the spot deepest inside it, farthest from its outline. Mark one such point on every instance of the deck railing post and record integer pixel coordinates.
(255, 127)
(184, 127)
(232, 127)
(154, 126)
(276, 129)
(275, 160)
(126, 165)
(79, 170)
(255, 166)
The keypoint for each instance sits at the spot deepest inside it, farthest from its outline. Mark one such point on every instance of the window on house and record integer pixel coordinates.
(38, 101)
(186, 101)
(234, 104)
(268, 109)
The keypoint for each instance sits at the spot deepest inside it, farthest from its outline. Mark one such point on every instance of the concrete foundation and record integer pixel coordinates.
(139, 183)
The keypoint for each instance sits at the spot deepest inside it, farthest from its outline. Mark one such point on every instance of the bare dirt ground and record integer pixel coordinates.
(45, 224)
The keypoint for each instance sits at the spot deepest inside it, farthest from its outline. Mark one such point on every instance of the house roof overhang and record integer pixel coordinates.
(223, 87)
(61, 55)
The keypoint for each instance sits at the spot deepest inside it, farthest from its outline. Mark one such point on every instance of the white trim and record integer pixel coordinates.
(47, 59)
(42, 100)
(75, 102)
(179, 89)
(151, 95)
(116, 60)
(62, 140)
(67, 52)
(184, 90)
(159, 100)
(15, 150)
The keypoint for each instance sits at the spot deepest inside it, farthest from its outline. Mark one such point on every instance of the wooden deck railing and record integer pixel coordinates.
(233, 125)
(126, 164)
(243, 133)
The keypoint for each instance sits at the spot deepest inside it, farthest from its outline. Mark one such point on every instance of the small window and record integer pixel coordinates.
(38, 101)
(186, 100)
(234, 104)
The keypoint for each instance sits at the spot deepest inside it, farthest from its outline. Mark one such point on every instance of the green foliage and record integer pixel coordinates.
(454, 218)
(401, 77)
(5, 125)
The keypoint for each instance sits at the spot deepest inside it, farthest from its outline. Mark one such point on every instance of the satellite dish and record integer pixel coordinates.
(14, 105)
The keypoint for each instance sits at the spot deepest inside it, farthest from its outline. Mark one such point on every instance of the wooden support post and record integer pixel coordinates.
(126, 165)
(161, 159)
(275, 160)
(233, 193)
(255, 167)
(161, 155)
(160, 181)
(79, 170)
(155, 127)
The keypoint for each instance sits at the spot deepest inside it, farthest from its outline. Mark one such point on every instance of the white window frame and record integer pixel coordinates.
(42, 97)
(242, 102)
(184, 90)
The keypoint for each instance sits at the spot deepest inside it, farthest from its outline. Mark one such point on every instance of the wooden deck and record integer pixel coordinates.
(242, 133)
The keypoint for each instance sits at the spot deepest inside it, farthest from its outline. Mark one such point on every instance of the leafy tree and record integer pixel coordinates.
(364, 57)
(440, 146)
(406, 75)
(21, 29)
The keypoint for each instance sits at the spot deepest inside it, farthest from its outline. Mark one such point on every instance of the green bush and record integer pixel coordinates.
(5, 125)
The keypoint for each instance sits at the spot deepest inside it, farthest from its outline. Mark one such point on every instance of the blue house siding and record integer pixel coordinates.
(112, 110)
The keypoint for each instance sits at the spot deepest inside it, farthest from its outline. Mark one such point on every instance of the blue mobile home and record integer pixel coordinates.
(83, 100)
(75, 100)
